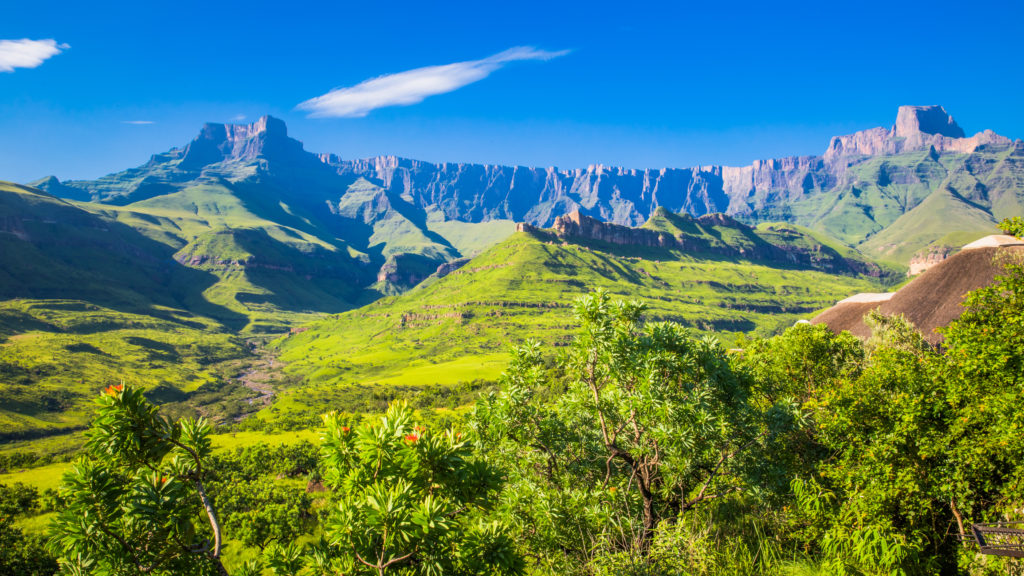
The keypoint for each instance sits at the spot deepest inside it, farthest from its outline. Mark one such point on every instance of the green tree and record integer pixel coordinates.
(1013, 226)
(260, 511)
(20, 553)
(790, 373)
(136, 503)
(634, 425)
(921, 442)
(409, 501)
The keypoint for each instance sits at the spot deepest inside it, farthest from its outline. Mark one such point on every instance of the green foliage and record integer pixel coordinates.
(21, 554)
(644, 425)
(258, 512)
(55, 352)
(790, 373)
(257, 504)
(1013, 226)
(410, 501)
(920, 443)
(135, 503)
(18, 499)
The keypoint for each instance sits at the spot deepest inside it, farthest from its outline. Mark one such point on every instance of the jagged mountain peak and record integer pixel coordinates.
(266, 137)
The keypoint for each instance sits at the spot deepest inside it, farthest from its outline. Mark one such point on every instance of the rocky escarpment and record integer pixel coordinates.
(478, 192)
(580, 227)
(711, 234)
(861, 185)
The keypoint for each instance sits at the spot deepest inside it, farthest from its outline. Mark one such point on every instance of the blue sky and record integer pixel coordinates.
(640, 84)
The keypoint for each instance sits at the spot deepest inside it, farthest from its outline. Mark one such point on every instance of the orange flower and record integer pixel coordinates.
(163, 479)
(613, 489)
(411, 438)
(345, 429)
(113, 389)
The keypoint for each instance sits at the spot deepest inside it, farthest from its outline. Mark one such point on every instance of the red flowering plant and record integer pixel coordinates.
(410, 501)
(136, 502)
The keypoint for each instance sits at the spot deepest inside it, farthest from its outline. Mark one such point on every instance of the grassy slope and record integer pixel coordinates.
(891, 207)
(470, 238)
(87, 301)
(459, 328)
(56, 354)
(213, 230)
(944, 218)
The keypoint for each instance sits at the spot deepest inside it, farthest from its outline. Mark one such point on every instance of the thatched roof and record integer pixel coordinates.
(933, 299)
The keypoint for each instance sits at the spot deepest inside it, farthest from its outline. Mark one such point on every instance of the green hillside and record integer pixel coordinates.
(943, 219)
(56, 354)
(459, 328)
(891, 207)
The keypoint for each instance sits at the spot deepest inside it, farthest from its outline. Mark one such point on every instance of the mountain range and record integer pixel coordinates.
(871, 190)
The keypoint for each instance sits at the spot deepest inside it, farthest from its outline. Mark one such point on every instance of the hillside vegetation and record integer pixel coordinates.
(458, 328)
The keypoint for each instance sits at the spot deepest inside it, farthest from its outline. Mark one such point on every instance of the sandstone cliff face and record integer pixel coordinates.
(914, 120)
(916, 128)
(267, 136)
(578, 226)
(388, 196)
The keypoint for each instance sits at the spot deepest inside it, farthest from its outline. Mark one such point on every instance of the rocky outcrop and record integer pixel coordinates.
(267, 137)
(480, 192)
(925, 260)
(916, 128)
(406, 270)
(449, 267)
(914, 120)
(387, 197)
(577, 226)
(785, 248)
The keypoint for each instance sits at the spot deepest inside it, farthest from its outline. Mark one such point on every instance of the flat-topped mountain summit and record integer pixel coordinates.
(916, 128)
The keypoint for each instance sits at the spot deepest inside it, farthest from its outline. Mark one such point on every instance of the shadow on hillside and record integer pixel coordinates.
(300, 280)
(61, 251)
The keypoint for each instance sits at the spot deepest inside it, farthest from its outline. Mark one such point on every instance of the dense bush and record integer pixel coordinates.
(643, 425)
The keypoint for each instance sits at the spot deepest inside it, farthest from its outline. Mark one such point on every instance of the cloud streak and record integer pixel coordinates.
(413, 86)
(27, 53)
(138, 122)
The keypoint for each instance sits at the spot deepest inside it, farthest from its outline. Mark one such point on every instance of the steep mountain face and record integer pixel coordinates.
(52, 249)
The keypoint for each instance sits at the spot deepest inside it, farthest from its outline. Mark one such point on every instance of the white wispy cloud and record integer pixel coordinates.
(413, 86)
(138, 122)
(238, 117)
(27, 53)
